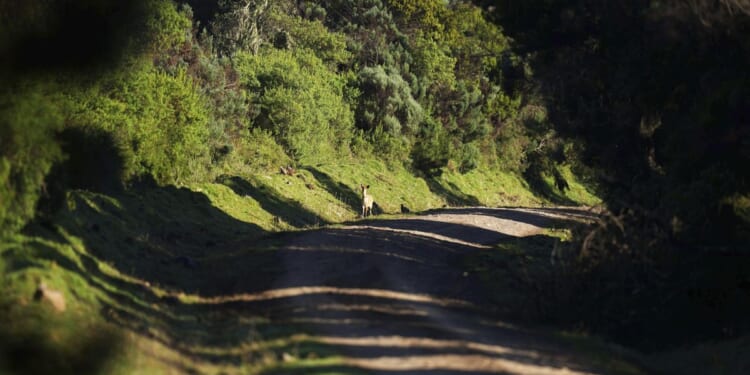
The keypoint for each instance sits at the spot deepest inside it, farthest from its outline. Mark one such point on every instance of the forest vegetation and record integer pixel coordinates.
(641, 108)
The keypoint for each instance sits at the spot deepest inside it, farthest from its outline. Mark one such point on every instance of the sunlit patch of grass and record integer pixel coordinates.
(488, 187)
(320, 207)
(329, 193)
(391, 186)
(575, 190)
(244, 208)
(321, 194)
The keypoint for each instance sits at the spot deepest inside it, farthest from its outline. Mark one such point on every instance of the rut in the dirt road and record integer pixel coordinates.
(391, 296)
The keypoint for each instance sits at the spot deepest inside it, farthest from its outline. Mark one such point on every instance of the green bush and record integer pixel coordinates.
(159, 120)
(389, 147)
(300, 101)
(299, 33)
(433, 64)
(470, 157)
(386, 102)
(432, 149)
(166, 27)
(28, 150)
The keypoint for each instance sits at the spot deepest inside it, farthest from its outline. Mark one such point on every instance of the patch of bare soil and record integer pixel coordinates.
(392, 296)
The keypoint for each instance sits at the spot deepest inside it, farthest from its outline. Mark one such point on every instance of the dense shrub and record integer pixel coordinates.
(165, 27)
(48, 127)
(28, 150)
(299, 100)
(272, 83)
(387, 102)
(433, 64)
(159, 120)
(432, 149)
(299, 33)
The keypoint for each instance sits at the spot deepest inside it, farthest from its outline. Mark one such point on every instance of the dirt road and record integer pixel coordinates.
(392, 296)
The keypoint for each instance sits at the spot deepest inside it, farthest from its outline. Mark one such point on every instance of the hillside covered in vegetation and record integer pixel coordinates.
(140, 136)
(157, 91)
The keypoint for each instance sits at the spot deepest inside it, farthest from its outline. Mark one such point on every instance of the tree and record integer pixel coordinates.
(299, 100)
(239, 25)
(658, 96)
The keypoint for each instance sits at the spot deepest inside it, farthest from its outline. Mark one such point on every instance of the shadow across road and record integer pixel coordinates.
(393, 296)
(377, 296)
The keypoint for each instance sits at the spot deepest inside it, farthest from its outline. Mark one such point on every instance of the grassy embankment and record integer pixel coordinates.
(138, 268)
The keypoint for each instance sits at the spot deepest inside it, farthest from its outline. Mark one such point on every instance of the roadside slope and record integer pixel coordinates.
(155, 268)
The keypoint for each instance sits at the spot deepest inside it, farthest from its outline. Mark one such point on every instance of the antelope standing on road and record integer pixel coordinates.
(366, 201)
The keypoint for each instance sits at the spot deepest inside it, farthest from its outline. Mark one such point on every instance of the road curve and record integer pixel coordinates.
(390, 296)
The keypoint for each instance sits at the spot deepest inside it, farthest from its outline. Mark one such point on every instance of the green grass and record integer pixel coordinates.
(576, 191)
(243, 208)
(391, 186)
(329, 193)
(136, 268)
(486, 187)
(34, 338)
